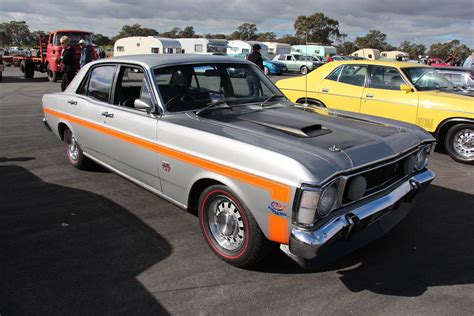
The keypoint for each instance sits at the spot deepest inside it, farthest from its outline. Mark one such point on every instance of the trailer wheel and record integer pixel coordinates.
(52, 75)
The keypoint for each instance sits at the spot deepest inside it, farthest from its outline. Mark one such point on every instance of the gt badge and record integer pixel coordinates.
(166, 166)
(277, 209)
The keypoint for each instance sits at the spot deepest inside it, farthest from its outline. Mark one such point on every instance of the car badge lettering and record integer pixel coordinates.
(277, 209)
(334, 148)
(166, 166)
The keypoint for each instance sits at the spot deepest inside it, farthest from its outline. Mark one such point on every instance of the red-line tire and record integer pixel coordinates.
(74, 152)
(223, 219)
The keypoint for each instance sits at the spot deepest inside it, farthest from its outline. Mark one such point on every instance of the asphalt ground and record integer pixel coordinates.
(90, 242)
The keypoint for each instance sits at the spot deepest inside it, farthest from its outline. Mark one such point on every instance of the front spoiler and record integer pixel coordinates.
(305, 244)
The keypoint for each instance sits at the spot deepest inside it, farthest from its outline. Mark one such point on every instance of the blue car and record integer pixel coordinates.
(270, 67)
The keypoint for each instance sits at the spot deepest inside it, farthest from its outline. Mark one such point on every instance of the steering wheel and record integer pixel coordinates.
(172, 104)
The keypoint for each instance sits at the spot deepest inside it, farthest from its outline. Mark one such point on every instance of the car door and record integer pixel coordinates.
(383, 97)
(291, 63)
(89, 108)
(342, 89)
(130, 141)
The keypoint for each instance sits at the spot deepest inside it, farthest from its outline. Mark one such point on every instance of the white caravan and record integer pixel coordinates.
(314, 50)
(203, 45)
(244, 47)
(136, 45)
(277, 48)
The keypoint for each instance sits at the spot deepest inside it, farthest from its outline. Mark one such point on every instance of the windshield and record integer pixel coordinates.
(73, 37)
(195, 86)
(426, 79)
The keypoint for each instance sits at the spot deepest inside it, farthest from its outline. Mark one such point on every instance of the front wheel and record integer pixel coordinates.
(52, 75)
(459, 143)
(229, 228)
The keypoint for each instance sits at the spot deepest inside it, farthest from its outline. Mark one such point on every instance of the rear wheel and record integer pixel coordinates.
(29, 71)
(229, 228)
(459, 143)
(73, 151)
(52, 75)
(304, 70)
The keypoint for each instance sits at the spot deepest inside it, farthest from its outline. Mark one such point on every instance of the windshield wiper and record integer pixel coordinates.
(273, 96)
(213, 105)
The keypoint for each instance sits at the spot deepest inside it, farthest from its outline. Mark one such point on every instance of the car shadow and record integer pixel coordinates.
(66, 250)
(432, 246)
(19, 79)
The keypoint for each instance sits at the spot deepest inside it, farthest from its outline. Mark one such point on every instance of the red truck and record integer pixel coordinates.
(48, 54)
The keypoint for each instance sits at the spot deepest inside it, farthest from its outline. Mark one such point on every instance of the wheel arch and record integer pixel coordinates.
(445, 125)
(62, 126)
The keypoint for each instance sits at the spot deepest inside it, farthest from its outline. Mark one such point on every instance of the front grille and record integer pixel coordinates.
(378, 178)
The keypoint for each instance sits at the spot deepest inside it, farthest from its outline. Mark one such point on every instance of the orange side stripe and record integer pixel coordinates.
(278, 191)
(278, 229)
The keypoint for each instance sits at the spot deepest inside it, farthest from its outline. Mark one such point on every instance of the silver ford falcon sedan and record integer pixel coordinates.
(213, 135)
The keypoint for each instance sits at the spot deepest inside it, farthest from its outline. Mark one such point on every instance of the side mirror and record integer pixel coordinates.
(141, 105)
(406, 88)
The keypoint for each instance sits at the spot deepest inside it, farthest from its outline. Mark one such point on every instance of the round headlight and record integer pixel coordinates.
(357, 188)
(422, 159)
(327, 200)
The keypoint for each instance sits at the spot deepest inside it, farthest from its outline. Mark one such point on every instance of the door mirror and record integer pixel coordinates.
(406, 88)
(141, 105)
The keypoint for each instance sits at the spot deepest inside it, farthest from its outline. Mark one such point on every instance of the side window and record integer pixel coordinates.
(387, 78)
(335, 74)
(155, 50)
(120, 49)
(129, 85)
(281, 57)
(245, 50)
(100, 83)
(353, 75)
(198, 48)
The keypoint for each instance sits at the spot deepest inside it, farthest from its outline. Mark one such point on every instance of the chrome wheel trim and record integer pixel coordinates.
(72, 147)
(304, 70)
(463, 143)
(226, 223)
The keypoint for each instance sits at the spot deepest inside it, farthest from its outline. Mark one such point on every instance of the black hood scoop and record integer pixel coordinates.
(298, 131)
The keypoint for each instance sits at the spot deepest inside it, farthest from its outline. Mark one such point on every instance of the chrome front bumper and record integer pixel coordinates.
(305, 243)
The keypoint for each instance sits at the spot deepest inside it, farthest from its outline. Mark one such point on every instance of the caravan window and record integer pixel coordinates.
(155, 50)
(120, 49)
(245, 50)
(198, 48)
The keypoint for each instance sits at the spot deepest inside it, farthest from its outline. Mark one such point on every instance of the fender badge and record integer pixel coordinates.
(165, 166)
(277, 209)
(334, 148)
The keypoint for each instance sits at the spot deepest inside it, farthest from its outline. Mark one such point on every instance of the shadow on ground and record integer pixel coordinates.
(18, 78)
(65, 250)
(432, 246)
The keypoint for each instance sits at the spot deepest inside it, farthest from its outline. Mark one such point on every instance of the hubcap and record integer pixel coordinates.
(226, 223)
(464, 143)
(72, 147)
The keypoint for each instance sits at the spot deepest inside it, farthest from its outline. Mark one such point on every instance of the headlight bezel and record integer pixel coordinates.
(316, 192)
(423, 157)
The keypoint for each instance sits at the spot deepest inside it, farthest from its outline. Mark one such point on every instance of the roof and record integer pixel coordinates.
(153, 60)
(69, 31)
(399, 64)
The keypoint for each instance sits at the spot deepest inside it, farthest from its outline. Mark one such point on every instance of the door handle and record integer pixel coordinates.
(368, 95)
(325, 90)
(72, 102)
(107, 114)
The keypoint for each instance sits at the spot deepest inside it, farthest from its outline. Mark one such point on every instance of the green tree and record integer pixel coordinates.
(245, 32)
(173, 33)
(101, 40)
(374, 39)
(346, 48)
(216, 36)
(135, 30)
(188, 32)
(452, 48)
(267, 37)
(15, 33)
(317, 28)
(290, 39)
(412, 49)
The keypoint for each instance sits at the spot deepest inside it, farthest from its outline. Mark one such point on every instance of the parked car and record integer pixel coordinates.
(403, 91)
(462, 78)
(270, 67)
(297, 63)
(256, 168)
(438, 62)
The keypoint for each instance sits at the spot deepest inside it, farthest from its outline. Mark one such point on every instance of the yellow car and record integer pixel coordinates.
(402, 91)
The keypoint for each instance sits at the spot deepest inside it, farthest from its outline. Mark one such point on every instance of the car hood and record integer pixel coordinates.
(323, 141)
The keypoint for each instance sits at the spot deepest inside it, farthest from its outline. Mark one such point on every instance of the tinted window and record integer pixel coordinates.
(353, 75)
(385, 78)
(100, 83)
(335, 74)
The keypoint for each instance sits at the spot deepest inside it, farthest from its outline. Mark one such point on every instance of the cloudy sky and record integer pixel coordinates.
(421, 21)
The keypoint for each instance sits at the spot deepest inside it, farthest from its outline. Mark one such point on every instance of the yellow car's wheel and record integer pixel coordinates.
(459, 143)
